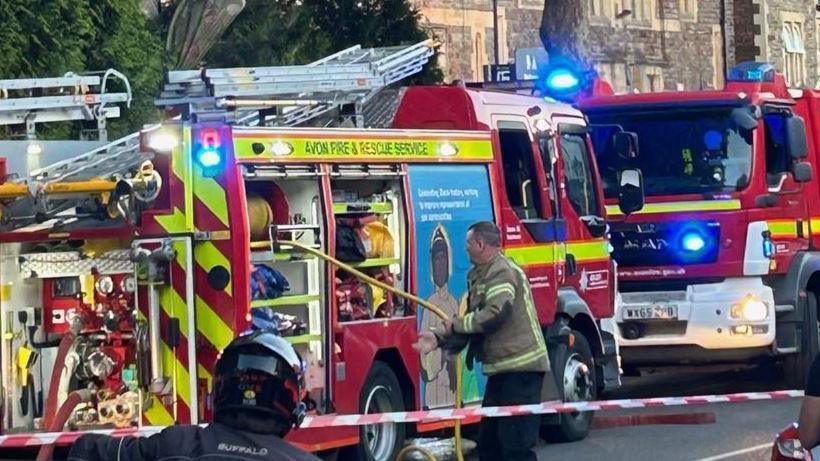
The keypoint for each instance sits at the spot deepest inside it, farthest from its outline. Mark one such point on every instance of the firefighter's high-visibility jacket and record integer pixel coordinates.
(501, 323)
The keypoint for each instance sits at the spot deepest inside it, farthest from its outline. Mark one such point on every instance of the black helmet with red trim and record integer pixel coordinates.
(259, 385)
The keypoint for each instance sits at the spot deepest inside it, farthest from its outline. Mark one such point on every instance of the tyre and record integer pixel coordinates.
(574, 371)
(381, 393)
(796, 366)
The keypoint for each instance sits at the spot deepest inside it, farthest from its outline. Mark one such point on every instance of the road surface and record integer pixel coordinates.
(743, 431)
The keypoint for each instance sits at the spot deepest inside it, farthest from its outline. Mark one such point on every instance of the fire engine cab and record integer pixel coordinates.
(144, 258)
(721, 264)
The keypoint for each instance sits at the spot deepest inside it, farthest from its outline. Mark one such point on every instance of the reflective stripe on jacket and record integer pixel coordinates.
(501, 311)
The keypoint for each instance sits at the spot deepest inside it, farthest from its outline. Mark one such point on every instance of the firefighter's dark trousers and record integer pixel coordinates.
(512, 438)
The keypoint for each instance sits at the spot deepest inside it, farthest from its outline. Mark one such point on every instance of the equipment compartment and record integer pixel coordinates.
(371, 236)
(287, 285)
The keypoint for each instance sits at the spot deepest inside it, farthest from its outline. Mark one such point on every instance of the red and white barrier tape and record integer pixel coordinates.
(539, 409)
(66, 438)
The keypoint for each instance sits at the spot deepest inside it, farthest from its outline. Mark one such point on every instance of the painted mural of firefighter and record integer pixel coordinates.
(438, 368)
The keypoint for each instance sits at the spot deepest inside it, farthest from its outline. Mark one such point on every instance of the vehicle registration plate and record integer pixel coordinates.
(656, 312)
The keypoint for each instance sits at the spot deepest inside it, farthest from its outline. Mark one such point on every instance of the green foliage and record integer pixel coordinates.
(270, 33)
(126, 44)
(43, 35)
(297, 32)
(47, 38)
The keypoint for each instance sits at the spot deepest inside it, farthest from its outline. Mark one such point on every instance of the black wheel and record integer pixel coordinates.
(574, 371)
(796, 366)
(381, 394)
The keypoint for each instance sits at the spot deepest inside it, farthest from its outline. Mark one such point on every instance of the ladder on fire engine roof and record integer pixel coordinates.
(295, 95)
(298, 94)
(71, 97)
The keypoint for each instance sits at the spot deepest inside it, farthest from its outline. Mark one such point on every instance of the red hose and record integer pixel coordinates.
(58, 422)
(54, 387)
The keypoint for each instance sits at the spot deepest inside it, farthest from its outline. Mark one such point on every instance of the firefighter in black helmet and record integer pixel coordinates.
(258, 389)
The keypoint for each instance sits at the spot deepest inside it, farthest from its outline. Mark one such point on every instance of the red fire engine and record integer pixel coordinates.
(141, 276)
(721, 264)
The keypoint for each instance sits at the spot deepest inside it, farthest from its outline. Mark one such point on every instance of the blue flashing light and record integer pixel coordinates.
(562, 80)
(751, 71)
(209, 158)
(693, 241)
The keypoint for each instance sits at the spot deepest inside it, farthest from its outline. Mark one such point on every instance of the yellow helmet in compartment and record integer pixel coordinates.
(381, 240)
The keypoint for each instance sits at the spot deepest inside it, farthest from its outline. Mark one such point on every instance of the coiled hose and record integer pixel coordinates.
(411, 297)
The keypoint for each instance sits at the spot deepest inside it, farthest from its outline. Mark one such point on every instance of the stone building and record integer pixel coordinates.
(636, 44)
(784, 32)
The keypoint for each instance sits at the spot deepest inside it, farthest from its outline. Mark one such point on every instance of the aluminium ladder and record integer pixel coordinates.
(68, 98)
(298, 94)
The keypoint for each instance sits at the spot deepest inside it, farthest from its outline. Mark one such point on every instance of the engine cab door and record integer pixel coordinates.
(533, 235)
(581, 205)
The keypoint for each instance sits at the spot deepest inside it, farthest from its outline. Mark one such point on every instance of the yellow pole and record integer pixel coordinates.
(409, 296)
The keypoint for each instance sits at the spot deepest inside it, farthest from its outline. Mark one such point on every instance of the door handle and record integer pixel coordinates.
(572, 265)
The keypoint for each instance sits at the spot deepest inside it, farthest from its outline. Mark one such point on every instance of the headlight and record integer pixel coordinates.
(751, 309)
(104, 285)
(162, 140)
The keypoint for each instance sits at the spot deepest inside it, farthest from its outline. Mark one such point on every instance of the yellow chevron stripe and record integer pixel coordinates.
(174, 306)
(202, 373)
(209, 192)
(672, 207)
(158, 415)
(185, 173)
(181, 376)
(174, 223)
(212, 326)
(207, 255)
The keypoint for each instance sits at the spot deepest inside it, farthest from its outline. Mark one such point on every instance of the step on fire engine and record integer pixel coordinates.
(140, 272)
(721, 265)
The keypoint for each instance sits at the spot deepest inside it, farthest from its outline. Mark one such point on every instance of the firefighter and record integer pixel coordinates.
(258, 390)
(502, 330)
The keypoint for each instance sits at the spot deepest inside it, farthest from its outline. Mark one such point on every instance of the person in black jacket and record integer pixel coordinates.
(258, 390)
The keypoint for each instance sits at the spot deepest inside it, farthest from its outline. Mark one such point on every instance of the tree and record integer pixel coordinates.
(271, 33)
(122, 40)
(564, 31)
(43, 37)
(299, 31)
(47, 38)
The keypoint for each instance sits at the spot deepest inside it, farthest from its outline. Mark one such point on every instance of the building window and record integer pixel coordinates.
(794, 53)
(641, 9)
(688, 9)
(654, 79)
(598, 8)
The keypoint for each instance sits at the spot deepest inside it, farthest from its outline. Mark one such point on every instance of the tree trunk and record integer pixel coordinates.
(564, 30)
